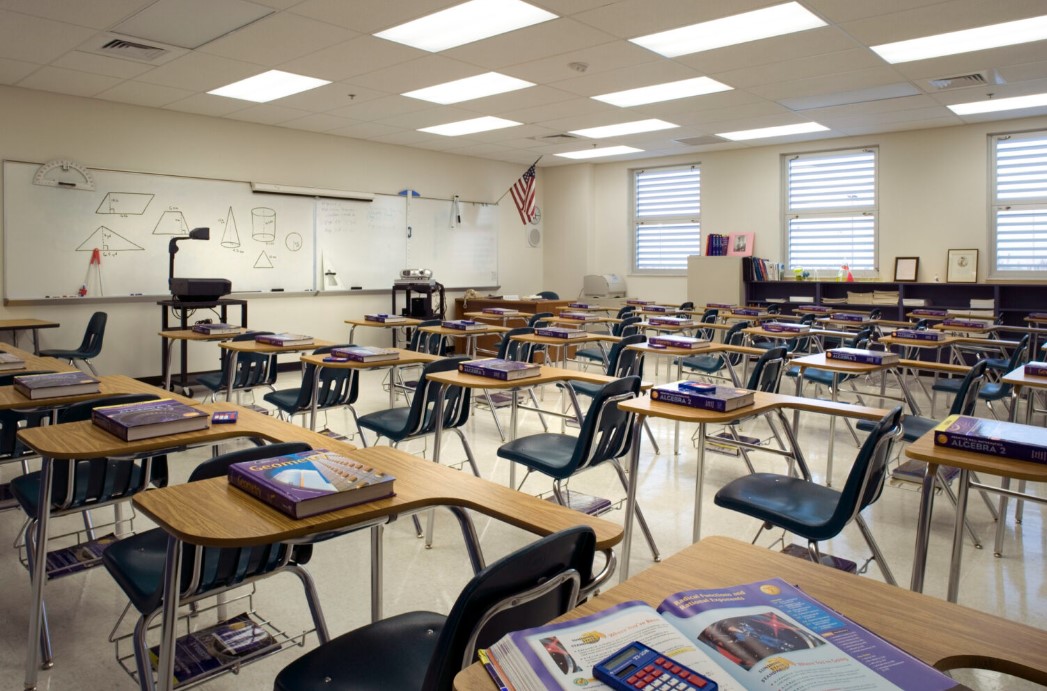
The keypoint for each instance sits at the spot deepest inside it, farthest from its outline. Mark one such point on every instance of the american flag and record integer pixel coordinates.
(523, 195)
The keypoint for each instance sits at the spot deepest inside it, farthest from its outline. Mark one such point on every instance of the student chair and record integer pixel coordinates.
(423, 651)
(624, 311)
(711, 365)
(992, 391)
(81, 486)
(548, 295)
(605, 437)
(420, 342)
(11, 449)
(136, 563)
(816, 512)
(519, 351)
(539, 319)
(336, 388)
(252, 370)
(90, 347)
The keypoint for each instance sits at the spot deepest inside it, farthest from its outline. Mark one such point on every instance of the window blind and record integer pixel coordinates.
(668, 217)
(1020, 203)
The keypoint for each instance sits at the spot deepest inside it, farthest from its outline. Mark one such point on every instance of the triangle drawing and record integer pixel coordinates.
(107, 241)
(263, 261)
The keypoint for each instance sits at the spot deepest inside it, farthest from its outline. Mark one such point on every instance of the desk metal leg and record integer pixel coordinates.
(172, 569)
(832, 433)
(377, 555)
(676, 424)
(230, 371)
(313, 402)
(923, 527)
(38, 576)
(166, 351)
(630, 494)
(696, 533)
(438, 433)
(514, 412)
(36, 342)
(957, 537)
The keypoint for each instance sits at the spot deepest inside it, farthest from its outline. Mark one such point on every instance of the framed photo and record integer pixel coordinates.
(905, 269)
(740, 244)
(962, 266)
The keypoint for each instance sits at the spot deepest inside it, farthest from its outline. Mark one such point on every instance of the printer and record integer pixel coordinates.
(603, 286)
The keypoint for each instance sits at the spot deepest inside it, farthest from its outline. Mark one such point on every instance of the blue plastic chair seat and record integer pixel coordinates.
(594, 354)
(585, 388)
(998, 363)
(913, 427)
(994, 391)
(548, 453)
(284, 399)
(821, 376)
(26, 488)
(798, 506)
(138, 567)
(710, 364)
(947, 385)
(389, 423)
(212, 380)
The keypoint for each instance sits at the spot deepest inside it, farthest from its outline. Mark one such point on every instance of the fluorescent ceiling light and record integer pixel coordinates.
(781, 131)
(728, 31)
(998, 104)
(465, 23)
(699, 86)
(599, 153)
(624, 128)
(455, 129)
(268, 86)
(469, 88)
(966, 41)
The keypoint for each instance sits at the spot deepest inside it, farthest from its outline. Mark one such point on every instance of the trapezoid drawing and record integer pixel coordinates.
(171, 223)
(264, 261)
(107, 241)
(124, 203)
(231, 235)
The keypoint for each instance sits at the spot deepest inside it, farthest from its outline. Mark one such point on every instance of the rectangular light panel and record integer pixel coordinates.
(268, 86)
(685, 88)
(469, 88)
(780, 131)
(966, 41)
(600, 153)
(465, 23)
(456, 129)
(624, 128)
(998, 104)
(728, 31)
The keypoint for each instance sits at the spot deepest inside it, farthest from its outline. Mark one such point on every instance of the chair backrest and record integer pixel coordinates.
(623, 362)
(734, 337)
(627, 327)
(624, 310)
(337, 386)
(248, 368)
(91, 346)
(606, 431)
(774, 309)
(865, 481)
(9, 419)
(527, 588)
(686, 306)
(519, 351)
(424, 342)
(708, 317)
(420, 419)
(875, 313)
(539, 319)
(1017, 357)
(548, 295)
(766, 373)
(860, 339)
(967, 395)
(923, 324)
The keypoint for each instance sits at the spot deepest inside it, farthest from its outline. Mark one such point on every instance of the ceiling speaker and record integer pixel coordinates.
(534, 237)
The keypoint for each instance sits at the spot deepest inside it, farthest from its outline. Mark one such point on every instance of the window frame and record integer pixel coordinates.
(993, 206)
(831, 211)
(636, 223)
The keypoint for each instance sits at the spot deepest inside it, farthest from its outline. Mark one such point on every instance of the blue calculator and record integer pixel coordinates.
(637, 666)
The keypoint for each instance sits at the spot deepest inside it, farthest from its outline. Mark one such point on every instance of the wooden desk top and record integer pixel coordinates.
(35, 363)
(190, 335)
(256, 347)
(109, 385)
(490, 315)
(924, 449)
(459, 333)
(235, 518)
(407, 357)
(820, 361)
(764, 403)
(1019, 378)
(553, 341)
(407, 321)
(964, 329)
(547, 375)
(20, 324)
(761, 332)
(893, 323)
(942, 634)
(916, 343)
(647, 326)
(845, 322)
(582, 322)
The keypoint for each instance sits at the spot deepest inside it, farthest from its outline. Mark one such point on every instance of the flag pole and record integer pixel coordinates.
(498, 201)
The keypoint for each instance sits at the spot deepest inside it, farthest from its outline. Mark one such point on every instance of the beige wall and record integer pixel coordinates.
(932, 196)
(39, 126)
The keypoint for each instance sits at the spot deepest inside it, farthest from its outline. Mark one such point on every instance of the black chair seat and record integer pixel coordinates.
(212, 380)
(364, 660)
(26, 488)
(709, 364)
(594, 354)
(584, 388)
(136, 563)
(284, 399)
(391, 423)
(821, 376)
(913, 427)
(998, 363)
(994, 391)
(550, 454)
(61, 354)
(947, 385)
(793, 504)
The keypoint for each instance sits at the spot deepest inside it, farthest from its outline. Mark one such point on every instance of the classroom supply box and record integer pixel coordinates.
(148, 419)
(993, 437)
(705, 396)
(495, 368)
(861, 356)
(366, 354)
(36, 386)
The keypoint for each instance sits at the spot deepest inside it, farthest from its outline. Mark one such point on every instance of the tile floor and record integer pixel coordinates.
(84, 607)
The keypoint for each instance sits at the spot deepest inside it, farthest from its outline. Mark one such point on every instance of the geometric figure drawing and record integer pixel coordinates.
(263, 224)
(124, 203)
(171, 223)
(264, 261)
(230, 236)
(293, 241)
(107, 241)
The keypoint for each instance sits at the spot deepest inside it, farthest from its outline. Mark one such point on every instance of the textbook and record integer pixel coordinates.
(148, 419)
(864, 357)
(656, 308)
(559, 332)
(205, 651)
(912, 471)
(366, 354)
(705, 396)
(310, 482)
(9, 362)
(219, 329)
(494, 368)
(748, 312)
(785, 327)
(914, 335)
(62, 562)
(499, 310)
(579, 316)
(464, 325)
(923, 312)
(580, 305)
(1035, 369)
(634, 301)
(672, 321)
(383, 318)
(685, 342)
(966, 323)
(719, 306)
(820, 309)
(764, 635)
(584, 503)
(36, 386)
(284, 339)
(994, 437)
(849, 317)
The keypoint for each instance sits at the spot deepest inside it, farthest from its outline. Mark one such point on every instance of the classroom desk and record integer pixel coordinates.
(109, 385)
(583, 322)
(1030, 384)
(34, 325)
(924, 449)
(469, 336)
(237, 347)
(563, 344)
(941, 634)
(404, 323)
(844, 324)
(407, 357)
(988, 330)
(734, 316)
(35, 363)
(643, 407)
(527, 307)
(183, 335)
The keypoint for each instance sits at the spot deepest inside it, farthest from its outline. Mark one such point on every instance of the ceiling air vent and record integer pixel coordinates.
(116, 46)
(555, 138)
(703, 140)
(130, 49)
(962, 81)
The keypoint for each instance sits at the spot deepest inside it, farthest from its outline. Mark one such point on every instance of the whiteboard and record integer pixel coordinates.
(365, 242)
(461, 254)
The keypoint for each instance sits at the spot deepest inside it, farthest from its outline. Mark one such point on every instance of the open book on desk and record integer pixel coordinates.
(765, 635)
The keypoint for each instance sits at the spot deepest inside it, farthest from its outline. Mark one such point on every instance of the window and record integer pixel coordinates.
(668, 206)
(830, 209)
(1019, 205)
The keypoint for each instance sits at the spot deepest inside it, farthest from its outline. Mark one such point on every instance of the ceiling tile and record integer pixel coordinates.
(329, 97)
(935, 112)
(838, 11)
(534, 97)
(190, 23)
(635, 17)
(531, 43)
(100, 64)
(142, 94)
(32, 39)
(608, 56)
(416, 74)
(802, 68)
(751, 111)
(429, 117)
(370, 16)
(278, 4)
(318, 122)
(199, 72)
(627, 78)
(277, 39)
(815, 42)
(11, 71)
(96, 14)
(68, 81)
(366, 130)
(1024, 71)
(206, 104)
(858, 130)
(381, 108)
(939, 18)
(848, 81)
(680, 109)
(353, 57)
(976, 61)
(575, 107)
(267, 114)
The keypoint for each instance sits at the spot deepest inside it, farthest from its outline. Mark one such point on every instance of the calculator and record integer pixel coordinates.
(637, 666)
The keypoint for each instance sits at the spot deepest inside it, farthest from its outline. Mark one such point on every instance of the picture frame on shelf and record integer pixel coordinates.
(962, 266)
(740, 244)
(906, 269)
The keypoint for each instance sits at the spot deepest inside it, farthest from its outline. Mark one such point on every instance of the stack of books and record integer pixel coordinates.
(966, 323)
(910, 473)
(383, 318)
(834, 301)
(682, 322)
(219, 329)
(464, 325)
(559, 332)
(148, 419)
(10, 362)
(719, 306)
(914, 335)
(865, 357)
(584, 503)
(684, 342)
(495, 368)
(860, 297)
(366, 354)
(993, 437)
(705, 396)
(716, 245)
(202, 653)
(656, 308)
(885, 297)
(579, 316)
(1035, 369)
(286, 340)
(36, 386)
(310, 482)
(915, 302)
